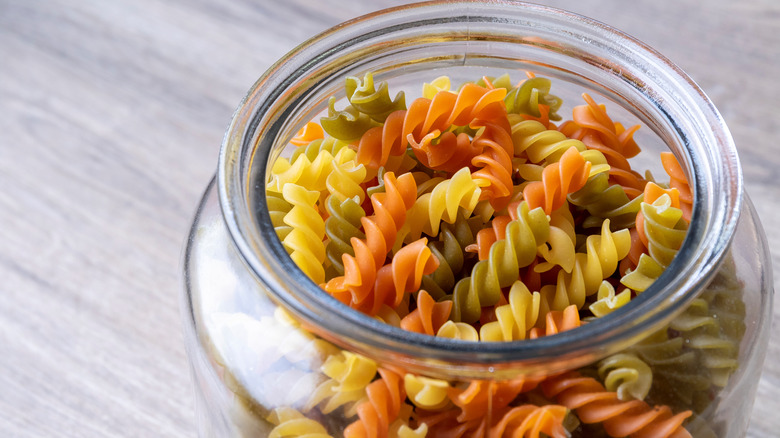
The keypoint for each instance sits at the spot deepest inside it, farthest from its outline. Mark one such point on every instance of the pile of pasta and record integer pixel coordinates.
(475, 214)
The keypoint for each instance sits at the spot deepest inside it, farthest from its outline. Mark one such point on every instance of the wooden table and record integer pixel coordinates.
(111, 116)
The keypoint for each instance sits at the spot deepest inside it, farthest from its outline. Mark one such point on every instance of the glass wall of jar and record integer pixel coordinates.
(274, 355)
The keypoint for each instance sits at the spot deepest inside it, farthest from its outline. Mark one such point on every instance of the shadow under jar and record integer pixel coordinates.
(272, 354)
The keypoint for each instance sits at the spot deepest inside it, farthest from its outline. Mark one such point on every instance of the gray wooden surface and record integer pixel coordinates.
(111, 116)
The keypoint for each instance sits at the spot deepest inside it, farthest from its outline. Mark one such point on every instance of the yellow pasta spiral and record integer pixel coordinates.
(308, 231)
(607, 301)
(599, 261)
(311, 174)
(292, 424)
(278, 208)
(665, 229)
(427, 393)
(458, 330)
(344, 181)
(349, 374)
(513, 320)
(540, 145)
(442, 204)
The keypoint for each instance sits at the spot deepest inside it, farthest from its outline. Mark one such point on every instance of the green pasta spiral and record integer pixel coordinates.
(449, 252)
(371, 99)
(678, 380)
(526, 98)
(278, 208)
(627, 375)
(604, 201)
(501, 269)
(311, 150)
(343, 224)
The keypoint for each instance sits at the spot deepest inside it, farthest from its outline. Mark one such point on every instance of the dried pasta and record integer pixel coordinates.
(500, 227)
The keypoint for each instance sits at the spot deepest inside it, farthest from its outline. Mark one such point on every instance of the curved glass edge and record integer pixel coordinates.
(232, 185)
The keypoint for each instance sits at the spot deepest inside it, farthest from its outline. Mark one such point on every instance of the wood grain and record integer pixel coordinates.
(111, 115)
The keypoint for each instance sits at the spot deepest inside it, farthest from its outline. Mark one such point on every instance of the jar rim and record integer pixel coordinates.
(710, 158)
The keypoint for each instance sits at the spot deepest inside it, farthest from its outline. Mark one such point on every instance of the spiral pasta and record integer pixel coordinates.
(594, 404)
(599, 261)
(425, 116)
(627, 375)
(348, 375)
(381, 228)
(502, 267)
(346, 125)
(313, 148)
(427, 393)
(531, 226)
(278, 208)
(291, 423)
(429, 315)
(311, 131)
(513, 320)
(308, 231)
(447, 152)
(595, 128)
(529, 421)
(373, 100)
(458, 330)
(678, 181)
(665, 229)
(442, 83)
(311, 174)
(530, 96)
(398, 278)
(494, 163)
(700, 328)
(342, 225)
(604, 201)
(461, 192)
(678, 378)
(565, 176)
(383, 405)
(449, 252)
(607, 301)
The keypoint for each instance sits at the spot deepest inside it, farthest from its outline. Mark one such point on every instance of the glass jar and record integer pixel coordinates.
(268, 346)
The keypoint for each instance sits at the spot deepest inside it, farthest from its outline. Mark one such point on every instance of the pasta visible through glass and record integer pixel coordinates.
(470, 214)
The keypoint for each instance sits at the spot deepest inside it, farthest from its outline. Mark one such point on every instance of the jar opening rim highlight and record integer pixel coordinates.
(712, 160)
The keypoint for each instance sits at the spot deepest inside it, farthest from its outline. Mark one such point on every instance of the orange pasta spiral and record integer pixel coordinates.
(595, 128)
(594, 404)
(450, 152)
(557, 321)
(559, 179)
(495, 163)
(429, 315)
(530, 421)
(480, 396)
(426, 116)
(385, 396)
(652, 192)
(404, 274)
(678, 180)
(381, 228)
(311, 131)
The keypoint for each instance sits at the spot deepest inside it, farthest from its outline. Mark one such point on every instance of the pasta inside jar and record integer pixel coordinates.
(475, 214)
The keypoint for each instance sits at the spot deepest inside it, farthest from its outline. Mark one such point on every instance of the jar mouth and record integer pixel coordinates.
(572, 45)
